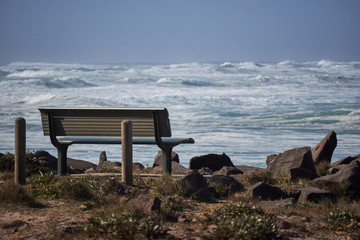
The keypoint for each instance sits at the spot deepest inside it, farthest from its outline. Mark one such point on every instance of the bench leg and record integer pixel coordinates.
(167, 160)
(62, 159)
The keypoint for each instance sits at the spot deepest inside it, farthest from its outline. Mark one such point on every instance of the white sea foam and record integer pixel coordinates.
(39, 98)
(226, 107)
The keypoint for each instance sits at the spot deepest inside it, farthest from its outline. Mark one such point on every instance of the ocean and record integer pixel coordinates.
(246, 110)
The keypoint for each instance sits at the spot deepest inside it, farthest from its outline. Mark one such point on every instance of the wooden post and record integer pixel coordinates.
(20, 150)
(127, 161)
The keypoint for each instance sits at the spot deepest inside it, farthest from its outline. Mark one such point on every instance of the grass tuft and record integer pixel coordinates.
(15, 194)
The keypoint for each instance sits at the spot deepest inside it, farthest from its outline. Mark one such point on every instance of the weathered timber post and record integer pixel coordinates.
(20, 150)
(127, 158)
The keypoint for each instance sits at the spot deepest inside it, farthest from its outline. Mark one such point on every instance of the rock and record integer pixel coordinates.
(47, 158)
(102, 157)
(158, 160)
(77, 164)
(195, 185)
(223, 186)
(312, 194)
(213, 161)
(346, 160)
(265, 191)
(229, 170)
(109, 165)
(176, 168)
(143, 201)
(323, 151)
(294, 158)
(344, 182)
(112, 186)
(73, 165)
(270, 158)
(138, 166)
(283, 203)
(301, 173)
(206, 171)
(248, 169)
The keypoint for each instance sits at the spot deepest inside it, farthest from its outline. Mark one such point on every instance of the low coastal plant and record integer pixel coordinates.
(258, 176)
(7, 162)
(75, 189)
(15, 194)
(165, 186)
(322, 168)
(43, 186)
(241, 221)
(127, 225)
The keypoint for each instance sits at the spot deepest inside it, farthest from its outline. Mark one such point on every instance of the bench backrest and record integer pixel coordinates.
(104, 121)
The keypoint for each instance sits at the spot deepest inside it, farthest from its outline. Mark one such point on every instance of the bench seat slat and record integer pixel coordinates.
(117, 140)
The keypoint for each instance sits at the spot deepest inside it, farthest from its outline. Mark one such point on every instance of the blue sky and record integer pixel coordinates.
(173, 31)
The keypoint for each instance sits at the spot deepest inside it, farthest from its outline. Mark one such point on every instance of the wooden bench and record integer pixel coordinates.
(67, 126)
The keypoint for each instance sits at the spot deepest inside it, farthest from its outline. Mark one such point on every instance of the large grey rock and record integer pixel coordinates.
(346, 160)
(312, 194)
(323, 151)
(143, 201)
(290, 159)
(73, 165)
(265, 191)
(229, 170)
(301, 173)
(344, 182)
(248, 169)
(223, 186)
(105, 164)
(213, 161)
(176, 168)
(112, 186)
(158, 160)
(195, 185)
(282, 203)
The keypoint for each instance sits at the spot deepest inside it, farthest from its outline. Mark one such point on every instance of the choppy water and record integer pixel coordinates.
(247, 110)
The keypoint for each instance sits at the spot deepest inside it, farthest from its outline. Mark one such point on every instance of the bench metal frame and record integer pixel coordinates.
(67, 126)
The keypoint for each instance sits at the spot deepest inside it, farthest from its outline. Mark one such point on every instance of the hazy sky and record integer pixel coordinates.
(172, 31)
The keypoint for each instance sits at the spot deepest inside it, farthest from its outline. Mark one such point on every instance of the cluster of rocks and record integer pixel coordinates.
(216, 175)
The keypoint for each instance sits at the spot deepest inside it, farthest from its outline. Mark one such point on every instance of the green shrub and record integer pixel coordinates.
(238, 221)
(259, 176)
(322, 168)
(165, 186)
(342, 220)
(41, 186)
(128, 225)
(15, 194)
(7, 162)
(75, 189)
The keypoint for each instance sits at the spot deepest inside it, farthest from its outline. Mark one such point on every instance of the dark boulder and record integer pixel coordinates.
(346, 181)
(248, 169)
(313, 194)
(158, 160)
(73, 165)
(301, 173)
(290, 159)
(143, 201)
(105, 164)
(195, 185)
(263, 191)
(346, 160)
(323, 151)
(176, 168)
(213, 161)
(222, 186)
(112, 186)
(229, 170)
